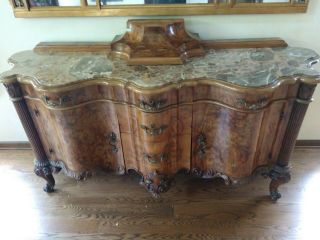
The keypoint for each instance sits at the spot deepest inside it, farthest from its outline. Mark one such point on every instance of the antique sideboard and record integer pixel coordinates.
(161, 101)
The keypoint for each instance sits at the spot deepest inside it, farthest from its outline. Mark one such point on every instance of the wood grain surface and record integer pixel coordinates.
(45, 47)
(223, 131)
(113, 207)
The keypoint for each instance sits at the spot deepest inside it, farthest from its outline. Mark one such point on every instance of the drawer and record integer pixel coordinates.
(148, 101)
(242, 98)
(156, 127)
(70, 96)
(154, 102)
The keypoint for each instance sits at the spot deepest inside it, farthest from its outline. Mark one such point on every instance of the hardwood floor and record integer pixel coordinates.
(116, 207)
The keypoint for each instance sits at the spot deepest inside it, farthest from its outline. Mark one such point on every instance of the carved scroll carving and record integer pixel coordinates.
(156, 183)
(211, 173)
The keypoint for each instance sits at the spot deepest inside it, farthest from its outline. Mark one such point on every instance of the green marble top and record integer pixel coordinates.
(245, 67)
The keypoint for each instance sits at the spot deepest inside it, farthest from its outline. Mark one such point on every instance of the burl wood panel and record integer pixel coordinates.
(158, 137)
(230, 140)
(85, 137)
(211, 130)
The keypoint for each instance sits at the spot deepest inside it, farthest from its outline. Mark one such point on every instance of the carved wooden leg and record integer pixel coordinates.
(279, 175)
(44, 170)
(156, 183)
(42, 164)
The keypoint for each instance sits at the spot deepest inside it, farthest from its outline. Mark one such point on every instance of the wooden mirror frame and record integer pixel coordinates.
(21, 8)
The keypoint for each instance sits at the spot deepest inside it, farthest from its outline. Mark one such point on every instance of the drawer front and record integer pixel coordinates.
(154, 102)
(245, 99)
(160, 157)
(157, 127)
(73, 95)
(156, 141)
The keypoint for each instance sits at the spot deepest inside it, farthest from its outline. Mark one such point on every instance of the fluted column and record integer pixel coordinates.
(42, 165)
(280, 173)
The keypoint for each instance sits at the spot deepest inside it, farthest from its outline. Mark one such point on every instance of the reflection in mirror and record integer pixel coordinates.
(121, 2)
(41, 3)
(91, 2)
(164, 1)
(300, 1)
(133, 2)
(263, 1)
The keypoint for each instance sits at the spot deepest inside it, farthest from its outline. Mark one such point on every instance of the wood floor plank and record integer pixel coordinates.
(113, 207)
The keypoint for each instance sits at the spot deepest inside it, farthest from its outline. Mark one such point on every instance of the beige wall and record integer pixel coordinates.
(21, 34)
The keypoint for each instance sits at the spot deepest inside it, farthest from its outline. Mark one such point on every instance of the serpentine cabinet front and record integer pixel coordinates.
(211, 130)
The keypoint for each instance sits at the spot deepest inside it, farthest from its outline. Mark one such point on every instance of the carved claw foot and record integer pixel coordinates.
(279, 175)
(156, 183)
(44, 170)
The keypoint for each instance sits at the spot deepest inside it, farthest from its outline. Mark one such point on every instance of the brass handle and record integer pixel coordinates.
(153, 130)
(152, 105)
(201, 144)
(112, 138)
(155, 158)
(252, 105)
(58, 103)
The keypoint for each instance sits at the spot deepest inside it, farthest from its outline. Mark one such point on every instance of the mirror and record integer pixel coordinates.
(37, 3)
(44, 8)
(46, 3)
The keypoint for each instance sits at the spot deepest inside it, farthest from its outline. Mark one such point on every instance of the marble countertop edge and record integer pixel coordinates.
(310, 79)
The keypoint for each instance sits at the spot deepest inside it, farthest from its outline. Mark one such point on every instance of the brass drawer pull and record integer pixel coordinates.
(153, 130)
(58, 103)
(112, 138)
(252, 105)
(155, 158)
(152, 105)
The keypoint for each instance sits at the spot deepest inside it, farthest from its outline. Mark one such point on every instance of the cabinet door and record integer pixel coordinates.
(224, 140)
(88, 135)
